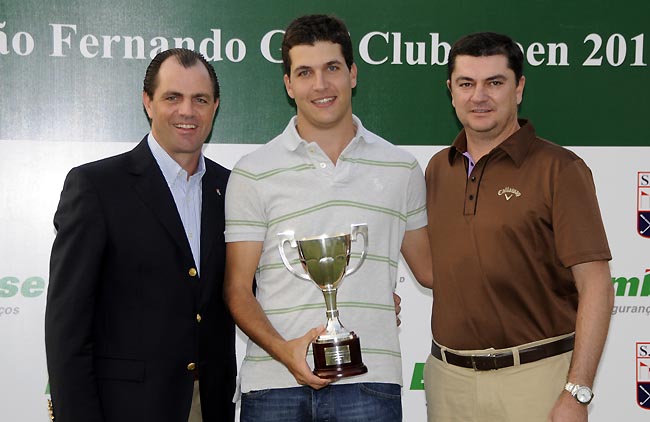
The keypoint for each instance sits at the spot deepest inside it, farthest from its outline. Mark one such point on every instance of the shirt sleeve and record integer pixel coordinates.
(577, 223)
(76, 264)
(245, 211)
(416, 216)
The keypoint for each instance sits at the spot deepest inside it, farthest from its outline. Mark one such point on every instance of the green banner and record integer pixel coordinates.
(72, 70)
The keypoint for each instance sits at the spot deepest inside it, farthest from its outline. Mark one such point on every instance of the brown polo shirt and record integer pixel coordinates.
(504, 239)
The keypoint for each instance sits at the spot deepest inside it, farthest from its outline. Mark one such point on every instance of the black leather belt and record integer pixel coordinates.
(503, 360)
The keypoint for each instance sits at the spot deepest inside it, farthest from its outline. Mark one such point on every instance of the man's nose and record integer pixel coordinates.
(479, 94)
(320, 82)
(186, 107)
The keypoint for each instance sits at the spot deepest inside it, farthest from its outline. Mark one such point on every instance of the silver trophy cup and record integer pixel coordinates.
(325, 259)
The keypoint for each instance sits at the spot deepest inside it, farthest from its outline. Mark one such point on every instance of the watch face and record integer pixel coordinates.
(584, 395)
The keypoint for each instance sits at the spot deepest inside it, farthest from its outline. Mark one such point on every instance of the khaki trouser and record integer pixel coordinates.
(195, 410)
(514, 394)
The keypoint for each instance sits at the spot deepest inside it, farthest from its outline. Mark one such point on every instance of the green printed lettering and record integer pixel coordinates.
(33, 287)
(645, 290)
(622, 284)
(417, 381)
(8, 286)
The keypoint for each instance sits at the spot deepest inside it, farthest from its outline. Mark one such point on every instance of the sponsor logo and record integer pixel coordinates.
(643, 374)
(417, 380)
(632, 286)
(508, 193)
(12, 288)
(643, 204)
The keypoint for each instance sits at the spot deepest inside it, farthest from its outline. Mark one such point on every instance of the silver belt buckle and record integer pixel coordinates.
(489, 355)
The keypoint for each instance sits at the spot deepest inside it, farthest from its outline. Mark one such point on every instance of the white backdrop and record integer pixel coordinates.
(32, 175)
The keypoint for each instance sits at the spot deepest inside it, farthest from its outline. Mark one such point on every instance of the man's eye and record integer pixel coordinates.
(332, 67)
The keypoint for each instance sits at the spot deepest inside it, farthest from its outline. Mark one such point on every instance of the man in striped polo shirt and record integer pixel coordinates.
(322, 174)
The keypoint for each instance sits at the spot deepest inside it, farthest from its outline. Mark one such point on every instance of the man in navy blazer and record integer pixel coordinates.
(135, 325)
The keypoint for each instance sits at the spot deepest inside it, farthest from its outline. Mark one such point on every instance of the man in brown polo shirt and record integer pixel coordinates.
(522, 289)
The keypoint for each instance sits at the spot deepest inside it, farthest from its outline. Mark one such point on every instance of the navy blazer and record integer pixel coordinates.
(129, 323)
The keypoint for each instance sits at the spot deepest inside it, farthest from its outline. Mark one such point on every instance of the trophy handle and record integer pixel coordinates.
(355, 231)
(285, 237)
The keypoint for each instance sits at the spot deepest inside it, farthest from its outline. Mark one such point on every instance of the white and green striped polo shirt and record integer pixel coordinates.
(291, 184)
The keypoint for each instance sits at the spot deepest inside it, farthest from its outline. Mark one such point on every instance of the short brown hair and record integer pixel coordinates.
(482, 44)
(308, 29)
(186, 58)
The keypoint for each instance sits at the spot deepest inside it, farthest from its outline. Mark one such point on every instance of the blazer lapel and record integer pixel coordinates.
(211, 212)
(212, 222)
(154, 192)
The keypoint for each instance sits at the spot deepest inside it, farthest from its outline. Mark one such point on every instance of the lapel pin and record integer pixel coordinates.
(218, 192)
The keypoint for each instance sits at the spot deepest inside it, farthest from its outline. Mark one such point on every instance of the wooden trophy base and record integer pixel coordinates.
(338, 359)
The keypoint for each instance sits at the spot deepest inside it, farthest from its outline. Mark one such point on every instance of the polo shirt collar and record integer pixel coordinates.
(516, 146)
(292, 140)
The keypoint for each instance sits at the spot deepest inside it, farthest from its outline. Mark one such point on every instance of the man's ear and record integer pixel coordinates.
(287, 86)
(452, 95)
(353, 75)
(146, 101)
(520, 89)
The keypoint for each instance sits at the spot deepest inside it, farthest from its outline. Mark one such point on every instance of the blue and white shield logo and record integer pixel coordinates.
(643, 375)
(643, 204)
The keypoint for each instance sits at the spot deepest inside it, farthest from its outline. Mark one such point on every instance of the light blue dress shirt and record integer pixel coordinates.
(186, 192)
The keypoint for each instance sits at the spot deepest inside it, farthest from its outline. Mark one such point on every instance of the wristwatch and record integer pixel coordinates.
(581, 393)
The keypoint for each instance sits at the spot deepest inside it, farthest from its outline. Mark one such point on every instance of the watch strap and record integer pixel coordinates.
(573, 390)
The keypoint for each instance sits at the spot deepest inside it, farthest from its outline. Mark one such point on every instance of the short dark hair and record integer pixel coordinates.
(308, 29)
(487, 44)
(186, 58)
